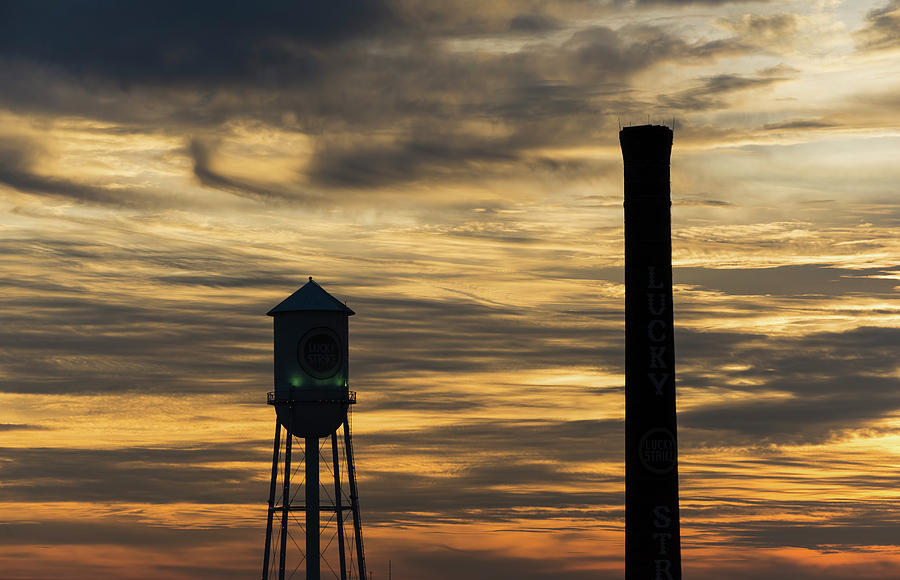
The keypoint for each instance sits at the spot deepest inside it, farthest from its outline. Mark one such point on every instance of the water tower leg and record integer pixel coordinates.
(354, 502)
(285, 503)
(272, 487)
(312, 508)
(338, 509)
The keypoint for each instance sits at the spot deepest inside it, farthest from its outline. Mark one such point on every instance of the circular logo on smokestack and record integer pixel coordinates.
(657, 451)
(319, 352)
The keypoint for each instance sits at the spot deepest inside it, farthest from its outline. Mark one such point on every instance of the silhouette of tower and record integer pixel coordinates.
(652, 529)
(312, 399)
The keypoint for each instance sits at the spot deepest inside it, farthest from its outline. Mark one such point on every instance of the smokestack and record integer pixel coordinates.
(652, 530)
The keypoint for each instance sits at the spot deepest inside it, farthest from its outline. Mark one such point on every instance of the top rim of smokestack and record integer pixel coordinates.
(646, 143)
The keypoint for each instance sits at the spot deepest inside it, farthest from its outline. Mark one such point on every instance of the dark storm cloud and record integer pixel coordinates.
(342, 75)
(214, 42)
(546, 94)
(882, 28)
(169, 41)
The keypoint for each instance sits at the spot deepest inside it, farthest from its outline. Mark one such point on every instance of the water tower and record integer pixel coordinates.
(312, 398)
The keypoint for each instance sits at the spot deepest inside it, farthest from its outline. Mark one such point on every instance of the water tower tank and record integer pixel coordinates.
(311, 361)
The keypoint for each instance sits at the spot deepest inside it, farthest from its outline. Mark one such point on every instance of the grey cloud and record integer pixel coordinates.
(110, 342)
(168, 41)
(798, 124)
(391, 496)
(162, 345)
(133, 475)
(438, 156)
(775, 567)
(633, 48)
(409, 89)
(17, 160)
(201, 156)
(830, 384)
(770, 24)
(882, 28)
(833, 535)
(533, 453)
(676, 2)
(768, 31)
(506, 338)
(700, 202)
(526, 455)
(810, 419)
(708, 94)
(533, 23)
(120, 530)
(797, 281)
(545, 95)
(542, 441)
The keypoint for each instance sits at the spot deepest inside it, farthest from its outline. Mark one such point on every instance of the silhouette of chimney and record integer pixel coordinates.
(652, 530)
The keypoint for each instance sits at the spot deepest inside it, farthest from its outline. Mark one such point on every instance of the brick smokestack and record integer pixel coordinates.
(652, 530)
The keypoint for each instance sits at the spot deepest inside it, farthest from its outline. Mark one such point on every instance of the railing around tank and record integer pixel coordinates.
(301, 396)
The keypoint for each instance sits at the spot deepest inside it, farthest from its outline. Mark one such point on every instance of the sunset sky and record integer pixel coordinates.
(169, 171)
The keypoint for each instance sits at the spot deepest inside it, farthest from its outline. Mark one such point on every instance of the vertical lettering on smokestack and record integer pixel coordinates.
(652, 531)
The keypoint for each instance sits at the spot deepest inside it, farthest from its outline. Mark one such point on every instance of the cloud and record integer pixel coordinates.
(17, 160)
(813, 280)
(799, 124)
(882, 28)
(407, 101)
(133, 475)
(170, 42)
(446, 563)
(708, 94)
(202, 156)
(675, 2)
(766, 31)
(809, 390)
(19, 427)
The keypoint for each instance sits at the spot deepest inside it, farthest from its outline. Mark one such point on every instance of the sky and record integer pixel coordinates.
(170, 171)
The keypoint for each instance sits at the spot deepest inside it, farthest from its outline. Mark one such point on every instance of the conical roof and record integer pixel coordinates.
(310, 296)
